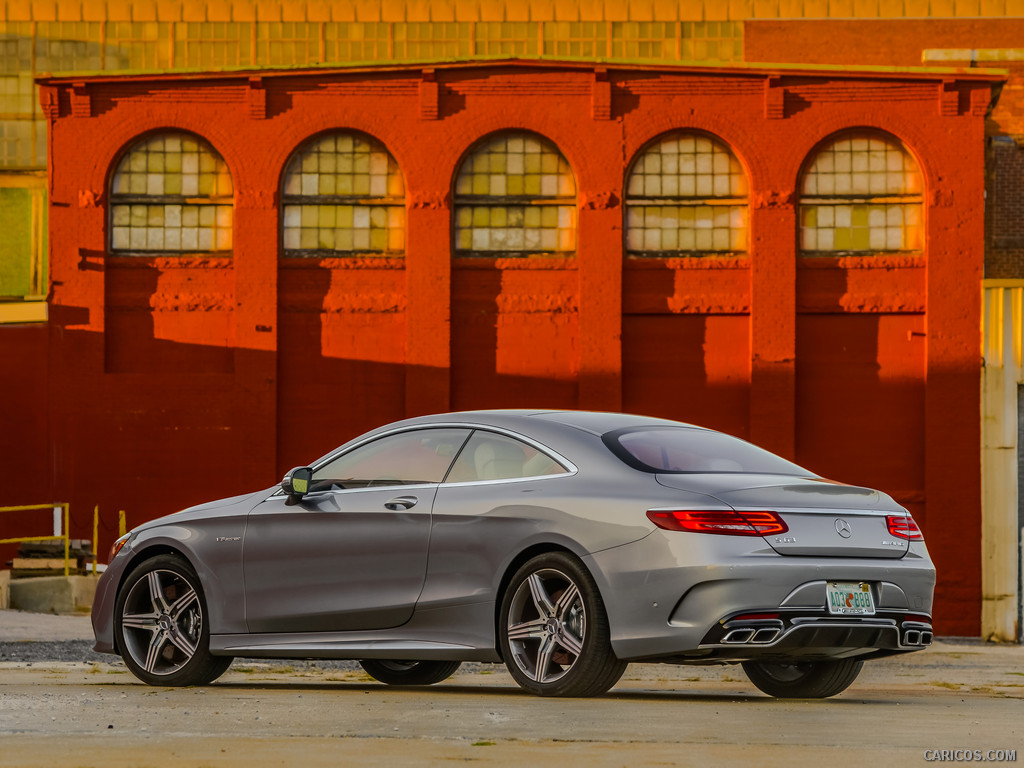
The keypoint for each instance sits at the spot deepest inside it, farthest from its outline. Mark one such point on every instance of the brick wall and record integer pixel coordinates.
(902, 42)
(190, 380)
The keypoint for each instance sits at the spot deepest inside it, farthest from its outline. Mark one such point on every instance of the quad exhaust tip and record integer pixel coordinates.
(743, 635)
(917, 637)
(765, 635)
(739, 636)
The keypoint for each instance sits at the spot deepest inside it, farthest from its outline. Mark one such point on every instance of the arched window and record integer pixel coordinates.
(343, 196)
(171, 194)
(686, 194)
(861, 194)
(515, 195)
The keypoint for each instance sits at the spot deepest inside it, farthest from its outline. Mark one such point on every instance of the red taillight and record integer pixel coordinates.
(904, 527)
(729, 522)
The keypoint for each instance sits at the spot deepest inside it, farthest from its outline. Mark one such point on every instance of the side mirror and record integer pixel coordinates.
(296, 482)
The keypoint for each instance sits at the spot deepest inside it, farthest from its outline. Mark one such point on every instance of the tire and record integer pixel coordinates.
(554, 630)
(803, 679)
(409, 672)
(161, 625)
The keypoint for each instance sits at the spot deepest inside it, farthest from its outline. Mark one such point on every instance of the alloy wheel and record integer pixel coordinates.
(162, 621)
(547, 624)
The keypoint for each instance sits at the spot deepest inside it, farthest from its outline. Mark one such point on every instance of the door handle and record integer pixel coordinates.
(401, 502)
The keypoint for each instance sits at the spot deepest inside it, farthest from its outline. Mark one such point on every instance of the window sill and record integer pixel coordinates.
(21, 311)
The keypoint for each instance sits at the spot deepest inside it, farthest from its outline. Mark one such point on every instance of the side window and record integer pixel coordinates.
(408, 458)
(489, 456)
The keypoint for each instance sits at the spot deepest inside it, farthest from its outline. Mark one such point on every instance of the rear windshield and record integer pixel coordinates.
(671, 449)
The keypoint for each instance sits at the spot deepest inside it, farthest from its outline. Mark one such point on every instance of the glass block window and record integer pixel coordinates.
(343, 195)
(139, 44)
(359, 41)
(171, 194)
(287, 44)
(515, 195)
(643, 39)
(418, 40)
(686, 194)
(505, 38)
(861, 195)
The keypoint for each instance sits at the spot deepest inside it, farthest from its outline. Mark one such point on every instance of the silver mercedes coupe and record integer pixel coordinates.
(565, 544)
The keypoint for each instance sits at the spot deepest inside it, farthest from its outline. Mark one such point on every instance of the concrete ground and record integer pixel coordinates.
(953, 696)
(21, 626)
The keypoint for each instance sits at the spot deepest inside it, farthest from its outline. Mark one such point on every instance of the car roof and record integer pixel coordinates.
(594, 422)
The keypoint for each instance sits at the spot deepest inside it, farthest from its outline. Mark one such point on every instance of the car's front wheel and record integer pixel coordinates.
(409, 672)
(803, 679)
(554, 630)
(161, 625)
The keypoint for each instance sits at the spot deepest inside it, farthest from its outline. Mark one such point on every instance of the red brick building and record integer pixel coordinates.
(980, 43)
(834, 324)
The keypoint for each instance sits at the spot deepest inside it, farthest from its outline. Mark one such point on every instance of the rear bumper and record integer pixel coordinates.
(670, 596)
(796, 634)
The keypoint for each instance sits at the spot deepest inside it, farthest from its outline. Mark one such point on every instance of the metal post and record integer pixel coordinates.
(67, 537)
(95, 537)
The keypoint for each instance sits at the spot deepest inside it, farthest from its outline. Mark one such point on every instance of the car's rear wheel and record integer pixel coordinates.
(554, 630)
(161, 625)
(803, 679)
(409, 672)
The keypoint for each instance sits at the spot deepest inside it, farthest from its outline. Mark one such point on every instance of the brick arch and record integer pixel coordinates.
(750, 153)
(853, 130)
(633, 157)
(806, 144)
(482, 140)
(125, 148)
(479, 128)
(131, 131)
(294, 135)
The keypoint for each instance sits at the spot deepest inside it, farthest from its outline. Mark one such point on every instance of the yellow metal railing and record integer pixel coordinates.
(96, 534)
(60, 532)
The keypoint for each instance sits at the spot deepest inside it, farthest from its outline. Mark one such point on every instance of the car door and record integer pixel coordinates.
(500, 493)
(352, 553)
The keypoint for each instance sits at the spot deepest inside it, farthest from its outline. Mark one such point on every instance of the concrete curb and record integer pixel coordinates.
(53, 594)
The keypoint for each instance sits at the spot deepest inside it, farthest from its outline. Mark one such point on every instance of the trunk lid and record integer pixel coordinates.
(825, 519)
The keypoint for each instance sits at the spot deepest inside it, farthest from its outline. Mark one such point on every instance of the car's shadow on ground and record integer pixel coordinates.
(625, 694)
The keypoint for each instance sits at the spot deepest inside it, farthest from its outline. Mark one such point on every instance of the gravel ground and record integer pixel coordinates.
(52, 650)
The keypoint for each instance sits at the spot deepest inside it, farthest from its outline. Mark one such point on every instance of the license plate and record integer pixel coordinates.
(849, 598)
